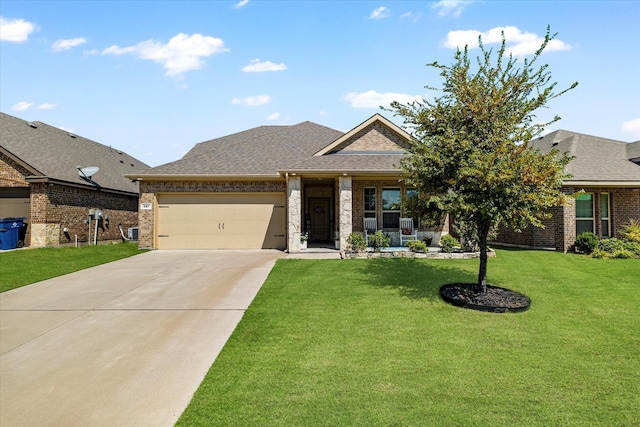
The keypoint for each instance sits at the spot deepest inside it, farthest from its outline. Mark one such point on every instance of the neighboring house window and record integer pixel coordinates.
(584, 213)
(391, 207)
(604, 213)
(370, 202)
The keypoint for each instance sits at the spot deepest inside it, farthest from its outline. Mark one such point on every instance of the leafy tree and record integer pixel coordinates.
(470, 151)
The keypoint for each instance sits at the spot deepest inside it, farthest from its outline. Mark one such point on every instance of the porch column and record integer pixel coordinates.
(294, 213)
(346, 209)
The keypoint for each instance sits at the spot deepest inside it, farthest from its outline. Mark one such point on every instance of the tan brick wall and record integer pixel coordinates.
(150, 189)
(375, 137)
(11, 173)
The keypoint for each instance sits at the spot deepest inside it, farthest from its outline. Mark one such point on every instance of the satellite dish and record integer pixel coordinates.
(88, 172)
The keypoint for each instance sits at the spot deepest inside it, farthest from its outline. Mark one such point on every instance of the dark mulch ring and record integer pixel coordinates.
(496, 300)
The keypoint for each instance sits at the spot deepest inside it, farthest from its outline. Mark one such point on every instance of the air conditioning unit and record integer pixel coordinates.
(132, 233)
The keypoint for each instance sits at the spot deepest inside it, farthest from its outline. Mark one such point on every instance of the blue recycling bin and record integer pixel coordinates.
(10, 232)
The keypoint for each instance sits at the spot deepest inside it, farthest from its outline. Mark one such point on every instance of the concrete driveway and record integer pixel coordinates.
(125, 343)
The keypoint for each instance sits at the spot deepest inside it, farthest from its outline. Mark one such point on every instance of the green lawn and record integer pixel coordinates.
(23, 267)
(369, 342)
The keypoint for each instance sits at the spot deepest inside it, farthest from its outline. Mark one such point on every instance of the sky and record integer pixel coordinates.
(154, 78)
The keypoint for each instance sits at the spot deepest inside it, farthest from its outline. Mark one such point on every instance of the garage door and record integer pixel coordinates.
(221, 221)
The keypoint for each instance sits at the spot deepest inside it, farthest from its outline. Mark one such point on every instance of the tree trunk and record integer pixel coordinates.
(483, 233)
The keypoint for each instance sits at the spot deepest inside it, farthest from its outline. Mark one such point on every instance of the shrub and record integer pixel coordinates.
(599, 253)
(448, 243)
(623, 254)
(586, 242)
(378, 241)
(631, 231)
(417, 246)
(612, 246)
(356, 242)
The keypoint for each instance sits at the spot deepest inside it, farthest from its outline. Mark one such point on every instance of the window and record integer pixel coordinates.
(369, 202)
(584, 213)
(391, 207)
(604, 213)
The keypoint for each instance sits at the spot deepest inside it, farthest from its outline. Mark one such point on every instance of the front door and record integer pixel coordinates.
(320, 215)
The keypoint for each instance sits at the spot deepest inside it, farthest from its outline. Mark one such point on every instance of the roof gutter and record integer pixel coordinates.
(45, 179)
(625, 184)
(197, 177)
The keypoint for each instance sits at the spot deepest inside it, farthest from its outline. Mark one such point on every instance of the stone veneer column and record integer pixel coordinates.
(346, 209)
(294, 213)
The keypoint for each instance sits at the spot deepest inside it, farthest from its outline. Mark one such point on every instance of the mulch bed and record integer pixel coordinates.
(496, 300)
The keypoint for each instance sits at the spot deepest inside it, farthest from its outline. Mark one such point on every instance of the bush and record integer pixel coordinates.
(599, 253)
(631, 231)
(417, 246)
(448, 243)
(356, 242)
(586, 242)
(378, 241)
(614, 246)
(623, 254)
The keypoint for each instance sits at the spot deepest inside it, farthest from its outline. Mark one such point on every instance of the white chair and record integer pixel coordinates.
(370, 227)
(407, 231)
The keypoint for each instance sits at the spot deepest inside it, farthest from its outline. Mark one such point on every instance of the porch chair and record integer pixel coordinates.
(407, 231)
(370, 227)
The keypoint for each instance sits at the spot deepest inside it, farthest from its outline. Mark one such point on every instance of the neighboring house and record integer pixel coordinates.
(264, 187)
(40, 181)
(607, 175)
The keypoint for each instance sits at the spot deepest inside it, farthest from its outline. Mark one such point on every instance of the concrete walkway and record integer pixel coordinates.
(125, 343)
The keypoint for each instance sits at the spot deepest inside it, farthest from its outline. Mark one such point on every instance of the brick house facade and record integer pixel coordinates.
(40, 181)
(606, 170)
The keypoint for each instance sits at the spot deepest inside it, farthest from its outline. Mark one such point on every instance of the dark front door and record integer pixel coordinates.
(319, 212)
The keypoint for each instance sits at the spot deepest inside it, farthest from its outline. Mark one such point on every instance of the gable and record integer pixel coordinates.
(375, 135)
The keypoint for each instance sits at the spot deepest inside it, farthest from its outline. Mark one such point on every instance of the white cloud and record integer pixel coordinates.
(241, 4)
(380, 13)
(22, 106)
(373, 99)
(60, 45)
(274, 116)
(15, 30)
(632, 126)
(451, 7)
(518, 43)
(252, 101)
(46, 106)
(183, 52)
(256, 66)
(413, 16)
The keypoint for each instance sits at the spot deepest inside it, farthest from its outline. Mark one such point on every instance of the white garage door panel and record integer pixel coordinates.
(228, 221)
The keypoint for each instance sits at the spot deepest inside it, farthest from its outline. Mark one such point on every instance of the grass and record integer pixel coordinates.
(369, 342)
(20, 268)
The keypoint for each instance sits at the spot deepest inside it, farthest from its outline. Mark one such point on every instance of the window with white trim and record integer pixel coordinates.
(391, 198)
(604, 215)
(584, 213)
(370, 202)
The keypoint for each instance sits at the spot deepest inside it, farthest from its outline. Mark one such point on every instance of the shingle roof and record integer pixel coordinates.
(260, 151)
(55, 154)
(271, 150)
(596, 159)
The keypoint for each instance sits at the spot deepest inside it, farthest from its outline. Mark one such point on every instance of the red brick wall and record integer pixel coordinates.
(560, 232)
(11, 173)
(68, 207)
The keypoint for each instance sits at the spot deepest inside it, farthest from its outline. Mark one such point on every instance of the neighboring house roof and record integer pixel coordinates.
(270, 151)
(53, 154)
(597, 161)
